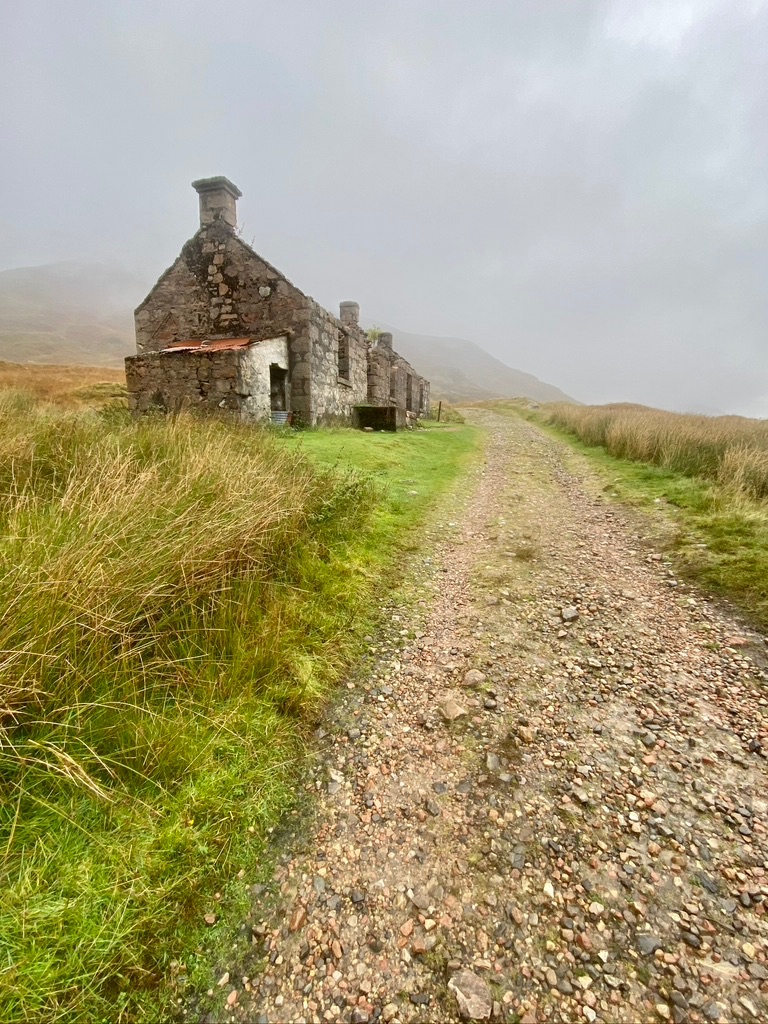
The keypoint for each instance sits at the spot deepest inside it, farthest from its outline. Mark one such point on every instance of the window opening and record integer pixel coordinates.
(343, 356)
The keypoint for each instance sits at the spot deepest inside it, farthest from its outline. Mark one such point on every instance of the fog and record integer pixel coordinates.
(579, 186)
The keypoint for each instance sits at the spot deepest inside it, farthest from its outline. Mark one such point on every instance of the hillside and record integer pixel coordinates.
(82, 313)
(462, 371)
(67, 313)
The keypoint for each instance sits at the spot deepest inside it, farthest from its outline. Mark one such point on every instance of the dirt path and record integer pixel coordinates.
(547, 800)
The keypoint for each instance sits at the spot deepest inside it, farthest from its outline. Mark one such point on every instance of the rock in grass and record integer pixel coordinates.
(472, 995)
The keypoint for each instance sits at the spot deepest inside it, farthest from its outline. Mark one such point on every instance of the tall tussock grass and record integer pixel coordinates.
(731, 451)
(712, 470)
(176, 599)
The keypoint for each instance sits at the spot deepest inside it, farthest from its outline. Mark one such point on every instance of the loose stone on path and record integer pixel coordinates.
(472, 995)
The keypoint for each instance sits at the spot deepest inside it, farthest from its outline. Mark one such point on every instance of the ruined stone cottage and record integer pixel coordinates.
(224, 330)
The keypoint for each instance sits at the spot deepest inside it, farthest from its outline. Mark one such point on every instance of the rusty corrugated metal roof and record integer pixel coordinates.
(209, 344)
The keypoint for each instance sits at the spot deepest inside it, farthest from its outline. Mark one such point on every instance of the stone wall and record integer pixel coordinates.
(379, 363)
(218, 287)
(397, 383)
(388, 383)
(336, 347)
(424, 399)
(234, 380)
(172, 381)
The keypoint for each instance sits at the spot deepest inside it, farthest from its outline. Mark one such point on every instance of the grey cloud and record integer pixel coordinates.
(578, 186)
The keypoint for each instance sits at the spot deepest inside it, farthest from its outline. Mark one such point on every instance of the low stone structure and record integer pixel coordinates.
(224, 330)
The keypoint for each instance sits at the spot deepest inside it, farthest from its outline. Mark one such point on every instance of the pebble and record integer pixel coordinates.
(474, 677)
(648, 944)
(750, 1007)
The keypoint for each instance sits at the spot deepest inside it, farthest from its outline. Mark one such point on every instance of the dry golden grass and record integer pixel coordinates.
(730, 450)
(65, 385)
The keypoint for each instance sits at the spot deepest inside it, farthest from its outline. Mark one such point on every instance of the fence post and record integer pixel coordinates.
(439, 407)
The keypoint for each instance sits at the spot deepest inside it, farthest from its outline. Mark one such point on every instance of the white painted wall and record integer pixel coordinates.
(253, 382)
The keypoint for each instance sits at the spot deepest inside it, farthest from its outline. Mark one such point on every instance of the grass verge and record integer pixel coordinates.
(732, 451)
(178, 600)
(721, 528)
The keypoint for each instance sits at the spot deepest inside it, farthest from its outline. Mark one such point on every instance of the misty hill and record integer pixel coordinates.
(462, 371)
(68, 313)
(82, 313)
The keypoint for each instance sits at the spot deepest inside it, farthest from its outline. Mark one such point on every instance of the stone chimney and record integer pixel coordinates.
(385, 340)
(349, 313)
(218, 201)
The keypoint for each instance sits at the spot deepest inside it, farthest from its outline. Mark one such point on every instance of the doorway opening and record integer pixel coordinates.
(278, 393)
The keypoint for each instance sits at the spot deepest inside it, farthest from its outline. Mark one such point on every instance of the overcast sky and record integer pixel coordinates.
(580, 186)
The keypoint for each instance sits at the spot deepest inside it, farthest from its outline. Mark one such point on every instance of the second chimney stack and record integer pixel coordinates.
(349, 312)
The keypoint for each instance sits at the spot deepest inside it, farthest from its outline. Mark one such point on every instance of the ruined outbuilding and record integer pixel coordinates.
(223, 330)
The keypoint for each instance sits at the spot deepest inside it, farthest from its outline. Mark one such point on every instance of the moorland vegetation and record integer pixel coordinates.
(178, 599)
(731, 451)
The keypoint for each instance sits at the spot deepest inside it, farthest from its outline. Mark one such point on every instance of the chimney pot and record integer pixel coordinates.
(385, 340)
(349, 312)
(218, 200)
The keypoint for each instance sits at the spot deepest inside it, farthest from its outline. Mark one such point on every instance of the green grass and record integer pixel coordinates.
(178, 601)
(720, 536)
(412, 466)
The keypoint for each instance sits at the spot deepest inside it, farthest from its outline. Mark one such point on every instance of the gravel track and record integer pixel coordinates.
(544, 798)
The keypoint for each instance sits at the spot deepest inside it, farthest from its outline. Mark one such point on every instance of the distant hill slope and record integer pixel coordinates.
(82, 313)
(462, 371)
(68, 313)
